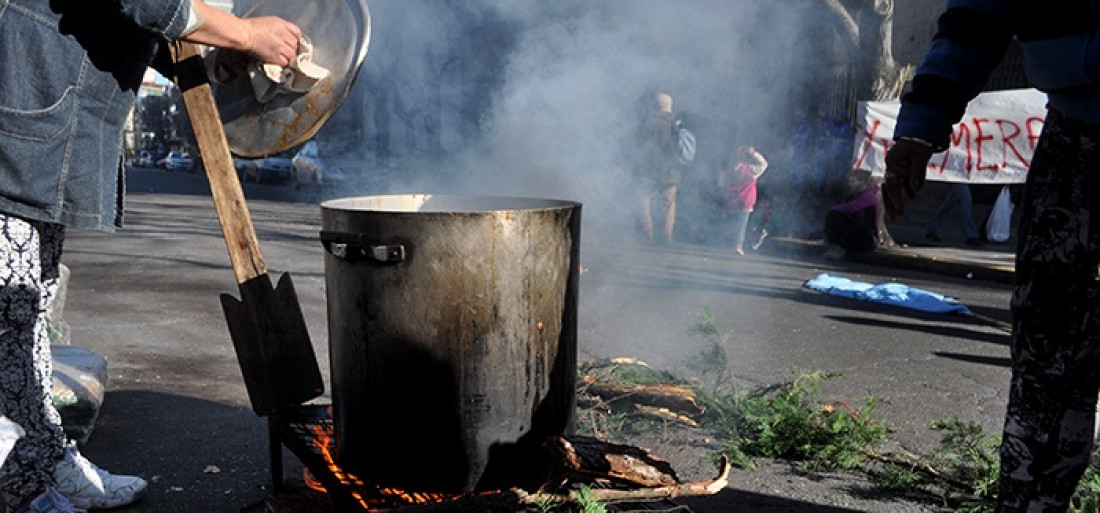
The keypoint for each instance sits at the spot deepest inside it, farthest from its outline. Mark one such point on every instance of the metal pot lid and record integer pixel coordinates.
(339, 32)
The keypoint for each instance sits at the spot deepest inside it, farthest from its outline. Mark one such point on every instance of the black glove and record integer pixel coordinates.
(905, 168)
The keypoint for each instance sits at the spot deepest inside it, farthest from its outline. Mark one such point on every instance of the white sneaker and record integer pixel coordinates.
(90, 487)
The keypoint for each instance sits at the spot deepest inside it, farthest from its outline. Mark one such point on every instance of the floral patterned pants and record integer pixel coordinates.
(1049, 426)
(30, 254)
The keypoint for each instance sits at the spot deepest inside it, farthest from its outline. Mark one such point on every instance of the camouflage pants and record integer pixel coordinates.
(30, 255)
(1048, 433)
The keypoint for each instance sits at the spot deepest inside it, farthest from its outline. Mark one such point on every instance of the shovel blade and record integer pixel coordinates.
(272, 343)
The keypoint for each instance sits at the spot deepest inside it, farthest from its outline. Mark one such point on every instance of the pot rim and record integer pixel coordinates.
(443, 203)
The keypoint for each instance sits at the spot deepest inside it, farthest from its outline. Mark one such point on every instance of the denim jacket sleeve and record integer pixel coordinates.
(69, 76)
(165, 17)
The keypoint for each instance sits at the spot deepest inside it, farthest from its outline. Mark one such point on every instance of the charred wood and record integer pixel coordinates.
(595, 459)
(689, 489)
(672, 397)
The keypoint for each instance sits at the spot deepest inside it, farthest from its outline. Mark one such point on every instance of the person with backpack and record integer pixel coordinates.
(666, 148)
(738, 183)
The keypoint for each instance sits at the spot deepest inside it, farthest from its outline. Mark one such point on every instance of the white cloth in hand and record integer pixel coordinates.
(300, 76)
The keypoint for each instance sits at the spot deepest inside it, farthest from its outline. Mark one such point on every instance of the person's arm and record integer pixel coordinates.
(757, 163)
(868, 198)
(268, 38)
(972, 38)
(905, 163)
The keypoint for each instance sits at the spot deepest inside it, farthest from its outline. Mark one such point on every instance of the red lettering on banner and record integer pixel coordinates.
(1009, 145)
(960, 138)
(993, 144)
(1033, 132)
(869, 141)
(942, 166)
(979, 141)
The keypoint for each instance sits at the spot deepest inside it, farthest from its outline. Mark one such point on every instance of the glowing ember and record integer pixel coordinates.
(321, 441)
(380, 497)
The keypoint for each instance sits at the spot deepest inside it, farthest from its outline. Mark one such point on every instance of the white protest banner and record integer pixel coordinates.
(993, 143)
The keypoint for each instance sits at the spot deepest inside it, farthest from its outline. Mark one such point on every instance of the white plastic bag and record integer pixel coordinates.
(999, 228)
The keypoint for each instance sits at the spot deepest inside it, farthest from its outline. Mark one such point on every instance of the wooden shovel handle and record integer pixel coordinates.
(225, 186)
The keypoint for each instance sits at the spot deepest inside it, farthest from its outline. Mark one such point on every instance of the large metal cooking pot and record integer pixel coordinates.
(452, 332)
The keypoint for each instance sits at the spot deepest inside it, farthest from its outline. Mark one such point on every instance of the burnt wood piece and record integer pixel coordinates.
(268, 330)
(664, 414)
(592, 458)
(604, 363)
(675, 398)
(689, 489)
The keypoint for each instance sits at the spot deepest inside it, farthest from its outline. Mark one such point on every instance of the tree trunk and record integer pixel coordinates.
(885, 74)
(869, 27)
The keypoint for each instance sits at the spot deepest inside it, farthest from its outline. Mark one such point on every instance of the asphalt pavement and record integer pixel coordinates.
(176, 410)
(993, 261)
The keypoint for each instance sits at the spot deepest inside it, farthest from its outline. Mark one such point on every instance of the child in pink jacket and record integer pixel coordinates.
(738, 182)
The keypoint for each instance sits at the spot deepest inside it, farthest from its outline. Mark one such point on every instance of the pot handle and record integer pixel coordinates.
(355, 247)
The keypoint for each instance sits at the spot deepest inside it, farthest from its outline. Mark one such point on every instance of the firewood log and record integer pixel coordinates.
(676, 398)
(690, 489)
(592, 458)
(665, 414)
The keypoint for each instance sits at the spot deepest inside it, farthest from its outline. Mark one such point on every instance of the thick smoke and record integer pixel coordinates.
(542, 98)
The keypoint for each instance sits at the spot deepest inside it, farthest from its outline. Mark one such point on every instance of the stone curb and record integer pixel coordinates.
(900, 258)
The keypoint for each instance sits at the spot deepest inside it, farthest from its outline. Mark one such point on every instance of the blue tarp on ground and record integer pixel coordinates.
(895, 294)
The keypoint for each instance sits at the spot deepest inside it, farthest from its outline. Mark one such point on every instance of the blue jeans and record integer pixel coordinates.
(740, 221)
(959, 194)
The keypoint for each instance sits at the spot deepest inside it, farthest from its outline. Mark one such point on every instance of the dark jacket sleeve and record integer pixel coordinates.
(972, 38)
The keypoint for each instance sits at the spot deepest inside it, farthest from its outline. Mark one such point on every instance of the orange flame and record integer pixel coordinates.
(321, 441)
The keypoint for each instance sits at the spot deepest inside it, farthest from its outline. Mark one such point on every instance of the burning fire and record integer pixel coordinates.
(322, 439)
(381, 497)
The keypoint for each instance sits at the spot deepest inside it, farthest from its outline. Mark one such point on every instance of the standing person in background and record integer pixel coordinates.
(957, 194)
(738, 181)
(1048, 430)
(658, 170)
(70, 73)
